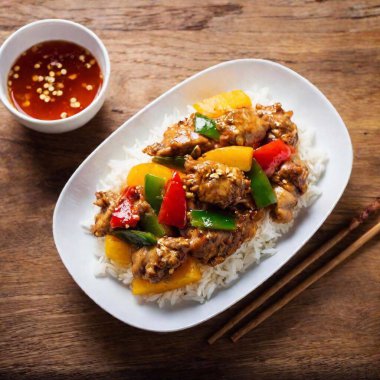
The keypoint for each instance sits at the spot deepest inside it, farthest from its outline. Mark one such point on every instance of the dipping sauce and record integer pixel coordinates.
(54, 80)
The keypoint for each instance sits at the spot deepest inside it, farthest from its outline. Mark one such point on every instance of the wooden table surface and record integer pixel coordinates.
(51, 329)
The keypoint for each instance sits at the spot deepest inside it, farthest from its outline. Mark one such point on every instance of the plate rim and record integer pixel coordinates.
(142, 110)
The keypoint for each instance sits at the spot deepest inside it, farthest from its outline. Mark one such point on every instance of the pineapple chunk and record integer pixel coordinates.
(236, 156)
(118, 251)
(222, 103)
(186, 274)
(137, 174)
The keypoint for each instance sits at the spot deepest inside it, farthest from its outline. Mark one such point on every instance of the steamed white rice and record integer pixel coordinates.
(250, 253)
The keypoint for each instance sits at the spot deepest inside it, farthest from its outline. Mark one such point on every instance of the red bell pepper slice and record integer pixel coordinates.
(173, 207)
(125, 214)
(271, 155)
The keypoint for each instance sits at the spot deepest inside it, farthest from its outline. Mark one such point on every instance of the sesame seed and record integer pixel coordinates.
(51, 88)
(54, 92)
(89, 87)
(49, 66)
(81, 58)
(46, 92)
(88, 65)
(9, 83)
(52, 73)
(42, 96)
(28, 87)
(40, 78)
(63, 115)
(37, 66)
(92, 61)
(47, 99)
(73, 100)
(17, 68)
(26, 103)
(60, 85)
(73, 76)
(15, 76)
(46, 85)
(59, 93)
(63, 71)
(59, 65)
(39, 90)
(75, 105)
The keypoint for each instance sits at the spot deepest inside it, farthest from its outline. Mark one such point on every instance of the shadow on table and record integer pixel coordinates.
(54, 157)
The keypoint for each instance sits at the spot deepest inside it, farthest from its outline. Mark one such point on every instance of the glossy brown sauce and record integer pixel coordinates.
(54, 80)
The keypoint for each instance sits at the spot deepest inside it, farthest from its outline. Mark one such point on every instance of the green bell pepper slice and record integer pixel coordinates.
(212, 220)
(177, 162)
(206, 126)
(261, 188)
(149, 223)
(138, 238)
(153, 191)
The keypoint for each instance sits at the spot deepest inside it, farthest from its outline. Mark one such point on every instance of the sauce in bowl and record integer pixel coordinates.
(54, 80)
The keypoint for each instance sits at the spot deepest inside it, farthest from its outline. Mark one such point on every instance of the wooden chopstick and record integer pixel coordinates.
(307, 282)
(355, 222)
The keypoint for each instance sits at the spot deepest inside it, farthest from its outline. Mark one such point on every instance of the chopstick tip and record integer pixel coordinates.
(211, 340)
(365, 213)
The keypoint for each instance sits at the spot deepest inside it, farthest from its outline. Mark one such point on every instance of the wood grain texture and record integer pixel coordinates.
(48, 326)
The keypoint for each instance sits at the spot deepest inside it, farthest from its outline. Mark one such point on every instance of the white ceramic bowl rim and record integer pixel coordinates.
(106, 74)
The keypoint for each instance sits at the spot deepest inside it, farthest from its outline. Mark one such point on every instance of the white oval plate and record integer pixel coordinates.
(311, 108)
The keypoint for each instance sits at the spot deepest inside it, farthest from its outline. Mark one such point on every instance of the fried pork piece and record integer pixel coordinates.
(212, 247)
(290, 182)
(242, 127)
(292, 176)
(281, 126)
(238, 127)
(107, 201)
(216, 183)
(140, 205)
(180, 139)
(157, 262)
(282, 211)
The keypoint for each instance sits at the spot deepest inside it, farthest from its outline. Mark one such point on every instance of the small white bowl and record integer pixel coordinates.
(48, 30)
